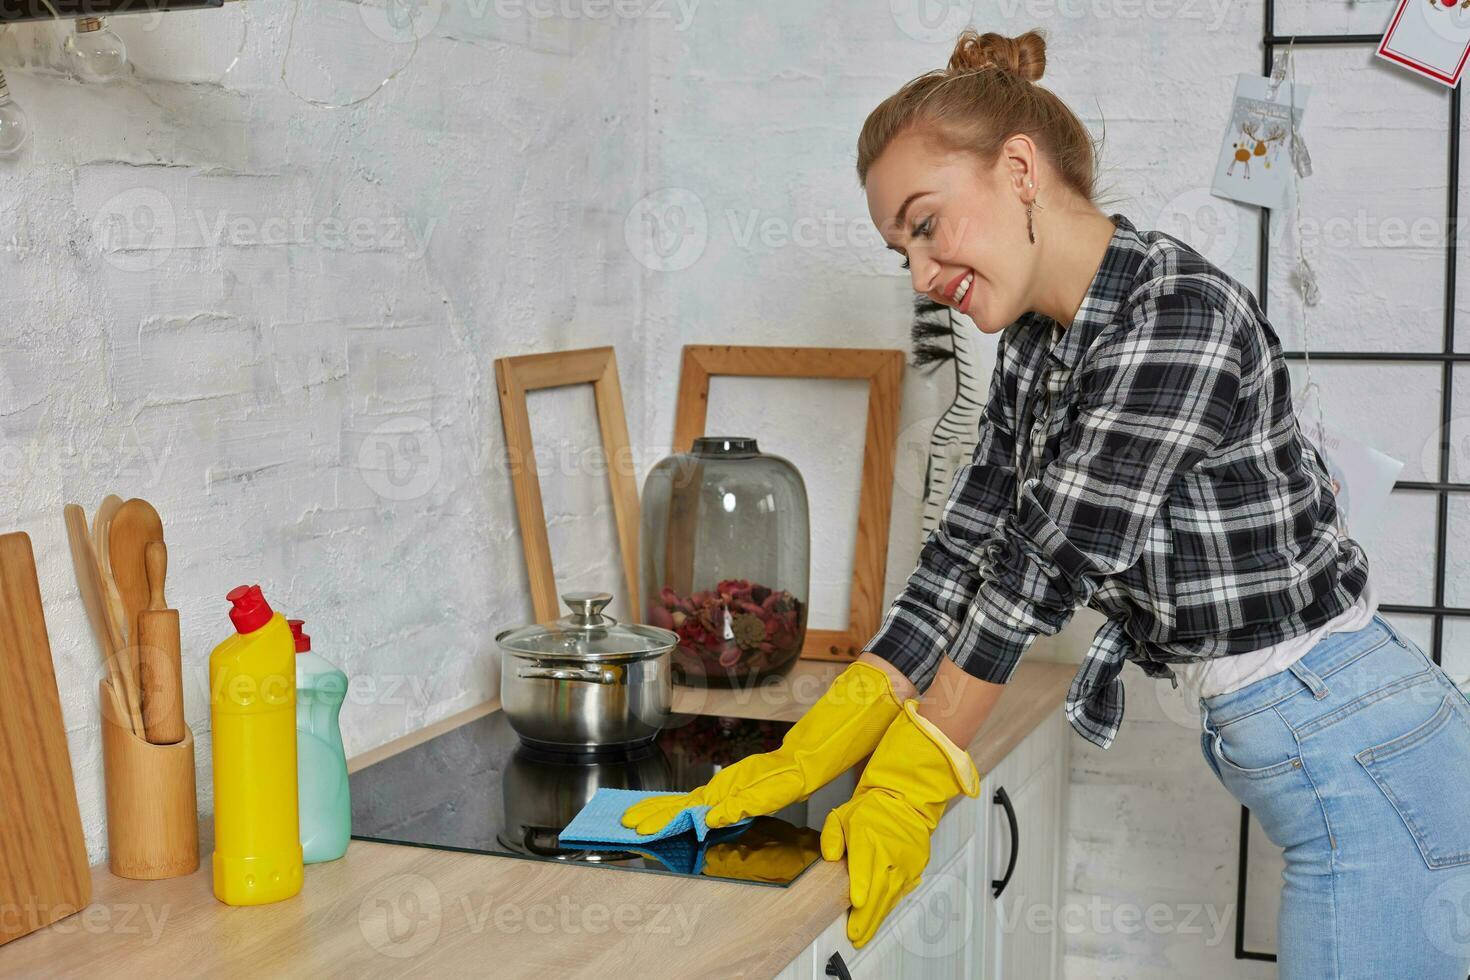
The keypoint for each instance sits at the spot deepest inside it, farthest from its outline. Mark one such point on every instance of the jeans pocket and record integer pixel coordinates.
(1216, 747)
(1422, 773)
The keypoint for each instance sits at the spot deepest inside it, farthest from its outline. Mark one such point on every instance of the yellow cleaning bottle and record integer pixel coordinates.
(252, 708)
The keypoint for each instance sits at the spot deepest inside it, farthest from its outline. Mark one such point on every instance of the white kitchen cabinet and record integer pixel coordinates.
(930, 934)
(950, 926)
(1021, 934)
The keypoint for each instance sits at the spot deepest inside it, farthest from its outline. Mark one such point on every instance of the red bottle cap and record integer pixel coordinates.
(303, 642)
(251, 611)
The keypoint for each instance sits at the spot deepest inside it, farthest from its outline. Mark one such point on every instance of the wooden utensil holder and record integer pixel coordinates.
(152, 812)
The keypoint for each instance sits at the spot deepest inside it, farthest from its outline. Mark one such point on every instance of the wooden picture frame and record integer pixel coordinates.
(883, 370)
(515, 376)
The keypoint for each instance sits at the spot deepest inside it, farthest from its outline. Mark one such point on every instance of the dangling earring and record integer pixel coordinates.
(1030, 232)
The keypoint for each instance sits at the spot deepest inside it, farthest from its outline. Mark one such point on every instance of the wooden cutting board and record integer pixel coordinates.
(43, 858)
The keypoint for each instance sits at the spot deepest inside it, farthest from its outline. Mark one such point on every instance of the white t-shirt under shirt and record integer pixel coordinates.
(1221, 675)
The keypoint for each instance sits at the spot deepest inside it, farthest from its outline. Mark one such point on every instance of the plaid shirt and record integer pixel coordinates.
(1164, 482)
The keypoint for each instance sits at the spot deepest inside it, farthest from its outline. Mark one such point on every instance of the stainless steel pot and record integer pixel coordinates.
(586, 682)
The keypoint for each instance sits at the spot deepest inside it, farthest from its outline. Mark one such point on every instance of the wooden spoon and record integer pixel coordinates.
(89, 583)
(134, 525)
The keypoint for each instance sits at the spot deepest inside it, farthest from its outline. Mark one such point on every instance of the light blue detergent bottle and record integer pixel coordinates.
(321, 764)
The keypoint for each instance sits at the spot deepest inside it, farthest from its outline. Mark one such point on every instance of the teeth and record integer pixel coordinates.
(964, 287)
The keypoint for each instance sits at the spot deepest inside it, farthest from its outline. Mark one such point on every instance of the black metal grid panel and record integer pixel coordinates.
(1446, 358)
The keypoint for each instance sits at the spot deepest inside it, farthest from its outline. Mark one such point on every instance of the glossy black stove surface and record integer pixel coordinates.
(478, 788)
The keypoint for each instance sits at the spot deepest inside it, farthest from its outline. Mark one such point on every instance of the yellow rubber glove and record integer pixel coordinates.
(885, 828)
(769, 850)
(832, 736)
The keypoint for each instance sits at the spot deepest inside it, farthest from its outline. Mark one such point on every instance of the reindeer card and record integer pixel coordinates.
(1255, 157)
(1431, 37)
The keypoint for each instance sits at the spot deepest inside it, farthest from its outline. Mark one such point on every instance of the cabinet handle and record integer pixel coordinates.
(999, 885)
(837, 968)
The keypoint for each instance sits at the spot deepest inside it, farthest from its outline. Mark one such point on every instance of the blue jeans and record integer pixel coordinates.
(1356, 762)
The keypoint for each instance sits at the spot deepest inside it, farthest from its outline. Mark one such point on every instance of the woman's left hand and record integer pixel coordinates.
(886, 827)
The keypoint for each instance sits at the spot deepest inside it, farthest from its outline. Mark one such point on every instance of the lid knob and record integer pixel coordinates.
(587, 607)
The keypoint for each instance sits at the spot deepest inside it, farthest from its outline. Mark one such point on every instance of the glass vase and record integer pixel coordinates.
(726, 545)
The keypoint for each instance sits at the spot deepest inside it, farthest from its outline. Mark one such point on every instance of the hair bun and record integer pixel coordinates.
(1023, 56)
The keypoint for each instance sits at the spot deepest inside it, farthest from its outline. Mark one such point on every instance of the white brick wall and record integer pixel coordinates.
(254, 369)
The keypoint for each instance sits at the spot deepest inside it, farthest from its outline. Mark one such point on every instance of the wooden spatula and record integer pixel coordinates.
(101, 521)
(109, 642)
(132, 527)
(112, 603)
(43, 858)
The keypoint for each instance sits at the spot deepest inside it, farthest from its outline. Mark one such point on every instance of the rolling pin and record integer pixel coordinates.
(159, 665)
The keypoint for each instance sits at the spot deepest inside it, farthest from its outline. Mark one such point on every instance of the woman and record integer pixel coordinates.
(1138, 455)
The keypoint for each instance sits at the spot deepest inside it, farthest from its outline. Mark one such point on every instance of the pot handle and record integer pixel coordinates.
(587, 674)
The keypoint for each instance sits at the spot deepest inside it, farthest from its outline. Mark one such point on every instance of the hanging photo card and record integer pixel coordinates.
(1255, 157)
(1430, 37)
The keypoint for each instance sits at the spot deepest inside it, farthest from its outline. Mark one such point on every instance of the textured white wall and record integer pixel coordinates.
(307, 409)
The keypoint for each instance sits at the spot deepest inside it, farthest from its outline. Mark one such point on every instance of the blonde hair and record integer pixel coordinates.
(987, 94)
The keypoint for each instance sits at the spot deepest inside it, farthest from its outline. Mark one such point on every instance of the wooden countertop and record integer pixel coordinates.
(389, 910)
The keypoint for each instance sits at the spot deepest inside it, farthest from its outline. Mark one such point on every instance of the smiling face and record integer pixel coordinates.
(957, 222)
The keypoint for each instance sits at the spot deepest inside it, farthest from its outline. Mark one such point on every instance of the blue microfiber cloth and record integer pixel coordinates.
(679, 846)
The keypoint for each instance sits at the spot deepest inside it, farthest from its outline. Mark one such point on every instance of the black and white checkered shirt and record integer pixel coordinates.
(1164, 482)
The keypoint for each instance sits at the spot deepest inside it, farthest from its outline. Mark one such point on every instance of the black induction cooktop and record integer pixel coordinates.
(479, 788)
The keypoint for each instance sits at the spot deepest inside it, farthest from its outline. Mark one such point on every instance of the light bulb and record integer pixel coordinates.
(15, 129)
(94, 52)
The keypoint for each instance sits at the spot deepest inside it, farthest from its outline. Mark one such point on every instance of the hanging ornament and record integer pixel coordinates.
(1305, 280)
(94, 53)
(15, 128)
(1300, 158)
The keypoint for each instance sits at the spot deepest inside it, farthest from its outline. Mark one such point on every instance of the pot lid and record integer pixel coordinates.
(586, 633)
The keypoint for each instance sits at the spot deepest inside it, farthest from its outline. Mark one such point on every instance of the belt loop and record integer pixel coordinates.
(1308, 677)
(1392, 632)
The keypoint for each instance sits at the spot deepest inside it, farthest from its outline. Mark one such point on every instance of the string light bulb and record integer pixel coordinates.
(15, 128)
(94, 52)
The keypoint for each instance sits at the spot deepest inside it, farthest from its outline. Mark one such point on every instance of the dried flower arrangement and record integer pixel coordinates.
(736, 629)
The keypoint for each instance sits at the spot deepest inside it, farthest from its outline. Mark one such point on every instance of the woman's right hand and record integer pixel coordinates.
(835, 734)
